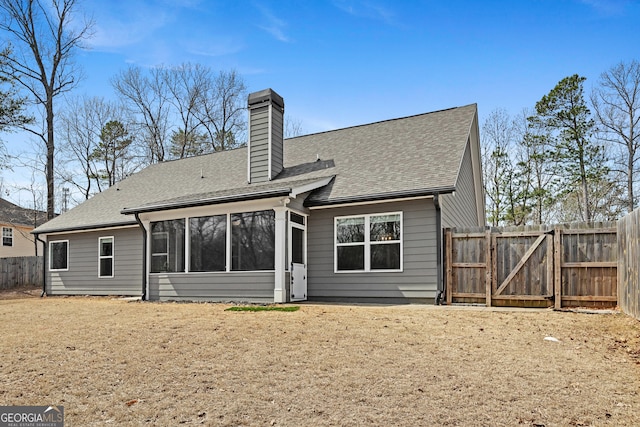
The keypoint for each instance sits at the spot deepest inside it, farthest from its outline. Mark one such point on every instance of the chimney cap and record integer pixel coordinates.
(266, 95)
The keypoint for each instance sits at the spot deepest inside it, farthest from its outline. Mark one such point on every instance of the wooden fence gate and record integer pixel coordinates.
(562, 266)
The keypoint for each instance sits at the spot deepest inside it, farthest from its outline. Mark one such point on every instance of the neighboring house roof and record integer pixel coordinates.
(15, 215)
(416, 155)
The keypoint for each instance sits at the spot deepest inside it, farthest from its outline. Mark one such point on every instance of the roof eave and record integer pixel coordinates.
(380, 196)
(208, 201)
(83, 228)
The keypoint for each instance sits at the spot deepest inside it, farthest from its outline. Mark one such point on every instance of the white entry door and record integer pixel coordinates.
(298, 282)
(298, 288)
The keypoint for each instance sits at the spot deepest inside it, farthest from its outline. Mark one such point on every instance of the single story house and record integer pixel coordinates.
(17, 223)
(354, 214)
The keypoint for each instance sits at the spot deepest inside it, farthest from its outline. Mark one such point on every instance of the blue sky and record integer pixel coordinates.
(341, 63)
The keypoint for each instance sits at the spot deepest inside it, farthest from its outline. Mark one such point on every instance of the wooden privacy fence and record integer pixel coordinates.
(20, 271)
(629, 262)
(561, 266)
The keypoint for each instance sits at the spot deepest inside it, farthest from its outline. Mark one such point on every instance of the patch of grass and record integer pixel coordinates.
(263, 308)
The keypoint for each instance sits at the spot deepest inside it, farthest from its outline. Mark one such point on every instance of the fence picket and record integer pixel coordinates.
(20, 271)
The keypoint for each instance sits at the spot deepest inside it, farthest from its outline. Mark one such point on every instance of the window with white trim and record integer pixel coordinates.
(59, 255)
(105, 257)
(371, 242)
(7, 236)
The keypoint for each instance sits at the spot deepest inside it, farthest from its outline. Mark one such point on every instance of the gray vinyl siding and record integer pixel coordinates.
(259, 137)
(277, 155)
(82, 275)
(218, 286)
(418, 280)
(459, 209)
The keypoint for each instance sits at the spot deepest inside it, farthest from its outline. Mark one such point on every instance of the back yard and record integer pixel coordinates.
(114, 362)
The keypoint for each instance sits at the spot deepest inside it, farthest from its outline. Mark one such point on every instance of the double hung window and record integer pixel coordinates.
(105, 257)
(370, 242)
(7, 236)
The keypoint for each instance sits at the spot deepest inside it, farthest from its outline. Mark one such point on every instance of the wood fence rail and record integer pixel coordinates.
(20, 271)
(560, 266)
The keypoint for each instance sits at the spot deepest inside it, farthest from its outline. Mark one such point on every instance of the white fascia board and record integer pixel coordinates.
(370, 202)
(310, 187)
(87, 230)
(217, 209)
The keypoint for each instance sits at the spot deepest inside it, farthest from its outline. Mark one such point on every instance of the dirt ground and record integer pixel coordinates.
(116, 362)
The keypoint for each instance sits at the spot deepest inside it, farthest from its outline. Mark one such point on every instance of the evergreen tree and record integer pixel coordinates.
(563, 112)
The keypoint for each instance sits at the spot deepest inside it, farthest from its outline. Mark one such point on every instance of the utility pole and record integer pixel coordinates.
(65, 199)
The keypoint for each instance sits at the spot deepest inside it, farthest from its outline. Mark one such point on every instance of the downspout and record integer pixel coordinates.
(440, 283)
(144, 257)
(44, 265)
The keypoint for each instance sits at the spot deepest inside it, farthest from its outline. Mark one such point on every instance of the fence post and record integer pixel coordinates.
(489, 263)
(557, 267)
(448, 254)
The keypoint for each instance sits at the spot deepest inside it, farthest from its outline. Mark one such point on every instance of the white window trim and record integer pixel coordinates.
(10, 237)
(51, 255)
(367, 244)
(112, 256)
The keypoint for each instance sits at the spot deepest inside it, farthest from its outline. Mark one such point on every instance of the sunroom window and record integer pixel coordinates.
(253, 241)
(208, 240)
(167, 246)
(368, 242)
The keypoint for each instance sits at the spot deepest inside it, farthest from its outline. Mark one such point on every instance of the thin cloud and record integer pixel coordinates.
(366, 9)
(126, 24)
(222, 47)
(275, 26)
(609, 7)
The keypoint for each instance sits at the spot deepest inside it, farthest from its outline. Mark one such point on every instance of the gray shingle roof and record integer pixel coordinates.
(15, 215)
(411, 155)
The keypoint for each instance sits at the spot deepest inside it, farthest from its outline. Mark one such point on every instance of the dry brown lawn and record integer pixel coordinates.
(114, 362)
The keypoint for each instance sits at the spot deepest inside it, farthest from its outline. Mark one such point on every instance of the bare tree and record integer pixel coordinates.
(292, 127)
(186, 85)
(81, 123)
(87, 156)
(42, 40)
(146, 98)
(497, 134)
(222, 110)
(616, 101)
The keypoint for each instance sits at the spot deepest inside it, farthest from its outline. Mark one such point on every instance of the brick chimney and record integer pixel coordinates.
(266, 114)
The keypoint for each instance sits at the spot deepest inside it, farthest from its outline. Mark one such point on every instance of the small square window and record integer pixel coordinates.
(59, 255)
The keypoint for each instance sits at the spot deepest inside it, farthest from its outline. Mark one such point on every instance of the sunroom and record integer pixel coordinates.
(242, 247)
